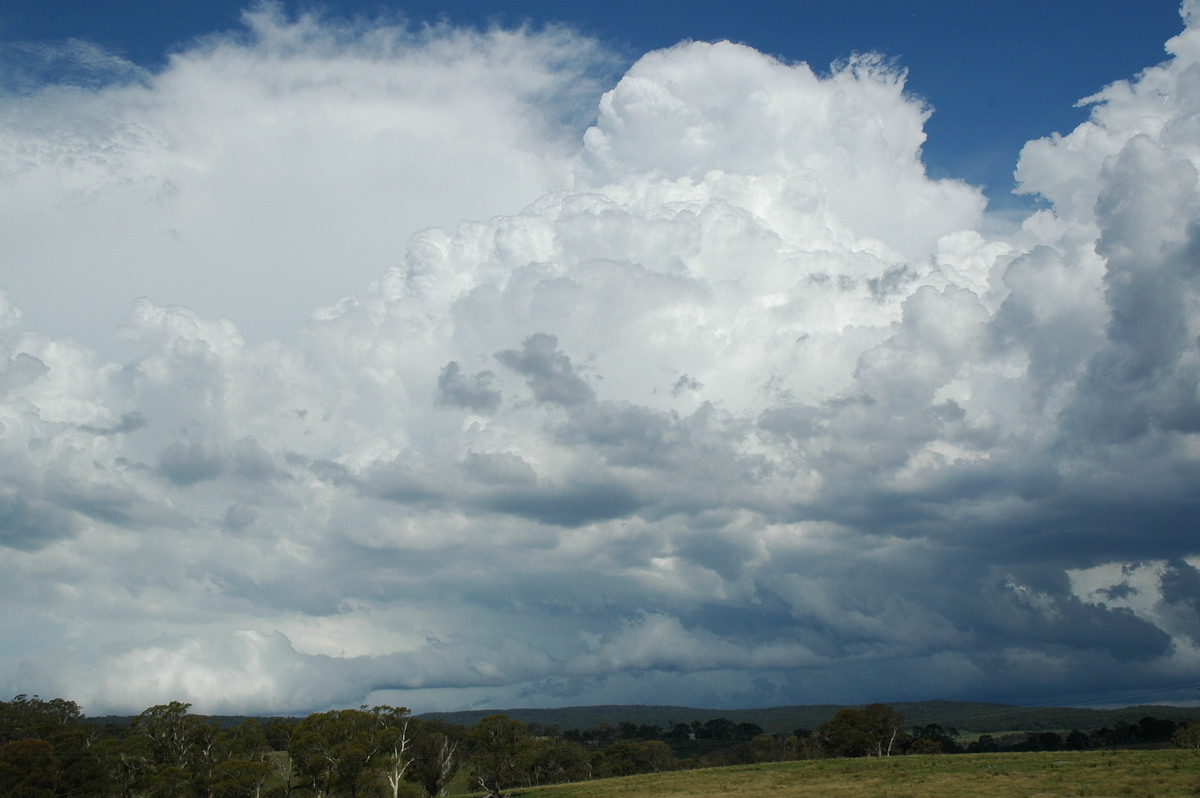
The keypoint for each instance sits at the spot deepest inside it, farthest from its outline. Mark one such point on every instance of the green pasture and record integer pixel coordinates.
(1014, 775)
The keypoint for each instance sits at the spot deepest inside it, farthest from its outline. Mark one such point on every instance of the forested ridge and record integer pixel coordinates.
(48, 748)
(966, 716)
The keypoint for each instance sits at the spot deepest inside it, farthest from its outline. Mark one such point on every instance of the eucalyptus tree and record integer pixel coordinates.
(496, 745)
(438, 756)
(334, 750)
(874, 730)
(184, 750)
(395, 732)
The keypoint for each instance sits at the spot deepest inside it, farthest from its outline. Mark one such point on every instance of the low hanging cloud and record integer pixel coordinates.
(719, 400)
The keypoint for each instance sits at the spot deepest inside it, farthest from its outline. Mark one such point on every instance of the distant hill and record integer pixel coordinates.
(967, 717)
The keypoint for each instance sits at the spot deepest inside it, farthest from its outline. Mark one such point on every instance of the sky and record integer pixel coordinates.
(577, 354)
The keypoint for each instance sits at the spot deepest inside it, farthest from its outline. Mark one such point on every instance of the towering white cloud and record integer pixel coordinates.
(730, 404)
(291, 160)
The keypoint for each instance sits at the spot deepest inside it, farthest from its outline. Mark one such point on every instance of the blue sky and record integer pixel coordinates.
(643, 358)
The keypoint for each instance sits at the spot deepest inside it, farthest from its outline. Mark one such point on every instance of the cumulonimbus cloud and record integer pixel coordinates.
(724, 397)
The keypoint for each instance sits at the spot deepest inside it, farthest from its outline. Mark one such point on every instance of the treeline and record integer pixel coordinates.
(603, 734)
(1147, 732)
(971, 718)
(47, 750)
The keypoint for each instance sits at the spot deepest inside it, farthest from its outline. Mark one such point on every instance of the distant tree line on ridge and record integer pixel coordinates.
(48, 749)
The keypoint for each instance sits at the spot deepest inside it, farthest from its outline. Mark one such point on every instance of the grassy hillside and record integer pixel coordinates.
(1108, 773)
(967, 717)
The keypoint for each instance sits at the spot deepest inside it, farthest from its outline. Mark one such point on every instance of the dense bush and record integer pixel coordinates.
(49, 750)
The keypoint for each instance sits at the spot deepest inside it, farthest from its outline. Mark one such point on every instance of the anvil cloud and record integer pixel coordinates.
(719, 400)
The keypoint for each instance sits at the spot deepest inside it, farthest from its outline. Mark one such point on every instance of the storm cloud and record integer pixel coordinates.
(718, 399)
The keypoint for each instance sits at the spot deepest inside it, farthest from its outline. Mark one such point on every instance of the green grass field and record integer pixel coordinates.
(1024, 775)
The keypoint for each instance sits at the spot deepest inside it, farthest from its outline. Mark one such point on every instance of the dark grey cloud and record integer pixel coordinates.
(626, 434)
(473, 392)
(503, 468)
(29, 524)
(1131, 389)
(686, 383)
(571, 505)
(189, 462)
(1181, 584)
(129, 422)
(1063, 622)
(548, 371)
(723, 556)
(20, 371)
(1121, 591)
(250, 461)
(238, 517)
(400, 480)
(109, 501)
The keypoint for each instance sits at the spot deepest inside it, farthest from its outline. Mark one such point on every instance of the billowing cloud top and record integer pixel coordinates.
(720, 402)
